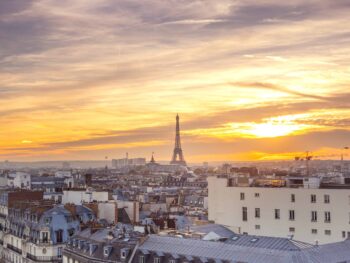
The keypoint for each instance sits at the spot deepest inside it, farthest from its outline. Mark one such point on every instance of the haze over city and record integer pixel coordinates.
(251, 80)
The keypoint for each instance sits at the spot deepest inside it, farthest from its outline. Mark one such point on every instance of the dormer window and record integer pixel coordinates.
(142, 259)
(75, 242)
(92, 249)
(107, 250)
(156, 260)
(81, 244)
(47, 220)
(87, 247)
(124, 253)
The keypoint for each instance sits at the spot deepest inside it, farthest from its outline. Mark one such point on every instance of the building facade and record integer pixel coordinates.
(310, 214)
(36, 233)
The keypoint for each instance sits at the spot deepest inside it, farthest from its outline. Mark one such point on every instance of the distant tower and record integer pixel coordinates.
(152, 159)
(178, 157)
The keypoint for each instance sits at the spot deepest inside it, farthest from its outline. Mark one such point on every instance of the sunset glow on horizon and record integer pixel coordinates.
(81, 80)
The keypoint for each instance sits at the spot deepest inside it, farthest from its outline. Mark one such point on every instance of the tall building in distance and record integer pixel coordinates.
(128, 162)
(178, 157)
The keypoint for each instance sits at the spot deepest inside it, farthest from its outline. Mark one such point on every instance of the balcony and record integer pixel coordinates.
(43, 258)
(15, 249)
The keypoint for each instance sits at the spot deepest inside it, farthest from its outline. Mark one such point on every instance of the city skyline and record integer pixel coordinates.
(83, 80)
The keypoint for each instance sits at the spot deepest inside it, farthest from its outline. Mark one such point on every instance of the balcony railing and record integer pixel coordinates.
(44, 258)
(15, 249)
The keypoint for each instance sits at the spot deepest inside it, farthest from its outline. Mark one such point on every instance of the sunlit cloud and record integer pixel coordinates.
(86, 79)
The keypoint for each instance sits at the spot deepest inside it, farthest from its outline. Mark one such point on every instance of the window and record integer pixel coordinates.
(242, 196)
(45, 237)
(257, 212)
(141, 259)
(59, 252)
(292, 198)
(277, 214)
(257, 194)
(343, 234)
(59, 236)
(292, 229)
(244, 214)
(327, 217)
(257, 227)
(291, 215)
(172, 261)
(313, 198)
(106, 251)
(71, 232)
(313, 216)
(314, 231)
(156, 260)
(326, 199)
(327, 232)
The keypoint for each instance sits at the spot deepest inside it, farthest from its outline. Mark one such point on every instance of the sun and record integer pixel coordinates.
(270, 129)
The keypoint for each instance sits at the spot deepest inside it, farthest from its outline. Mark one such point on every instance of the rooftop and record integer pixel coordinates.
(248, 249)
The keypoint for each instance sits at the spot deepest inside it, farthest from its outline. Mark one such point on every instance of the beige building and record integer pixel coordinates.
(309, 213)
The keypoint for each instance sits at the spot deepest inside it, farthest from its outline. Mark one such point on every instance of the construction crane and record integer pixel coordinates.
(307, 158)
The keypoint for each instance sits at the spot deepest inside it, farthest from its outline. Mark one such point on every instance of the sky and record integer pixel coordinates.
(251, 80)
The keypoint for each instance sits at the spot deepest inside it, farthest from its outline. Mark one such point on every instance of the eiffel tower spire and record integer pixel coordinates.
(178, 157)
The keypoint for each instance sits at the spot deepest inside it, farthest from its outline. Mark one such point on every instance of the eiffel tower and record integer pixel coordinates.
(178, 157)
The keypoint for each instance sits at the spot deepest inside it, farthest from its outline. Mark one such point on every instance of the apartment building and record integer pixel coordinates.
(37, 230)
(300, 208)
(102, 245)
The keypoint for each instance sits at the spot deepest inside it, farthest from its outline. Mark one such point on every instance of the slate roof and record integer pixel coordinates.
(267, 242)
(266, 251)
(217, 229)
(117, 239)
(47, 179)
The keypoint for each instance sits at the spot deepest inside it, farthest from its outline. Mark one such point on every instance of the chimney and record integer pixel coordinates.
(71, 208)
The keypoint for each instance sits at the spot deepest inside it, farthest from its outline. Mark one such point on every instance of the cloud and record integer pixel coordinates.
(86, 75)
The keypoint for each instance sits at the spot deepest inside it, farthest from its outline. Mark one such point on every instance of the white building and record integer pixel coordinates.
(125, 162)
(30, 235)
(79, 196)
(19, 180)
(63, 174)
(312, 215)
